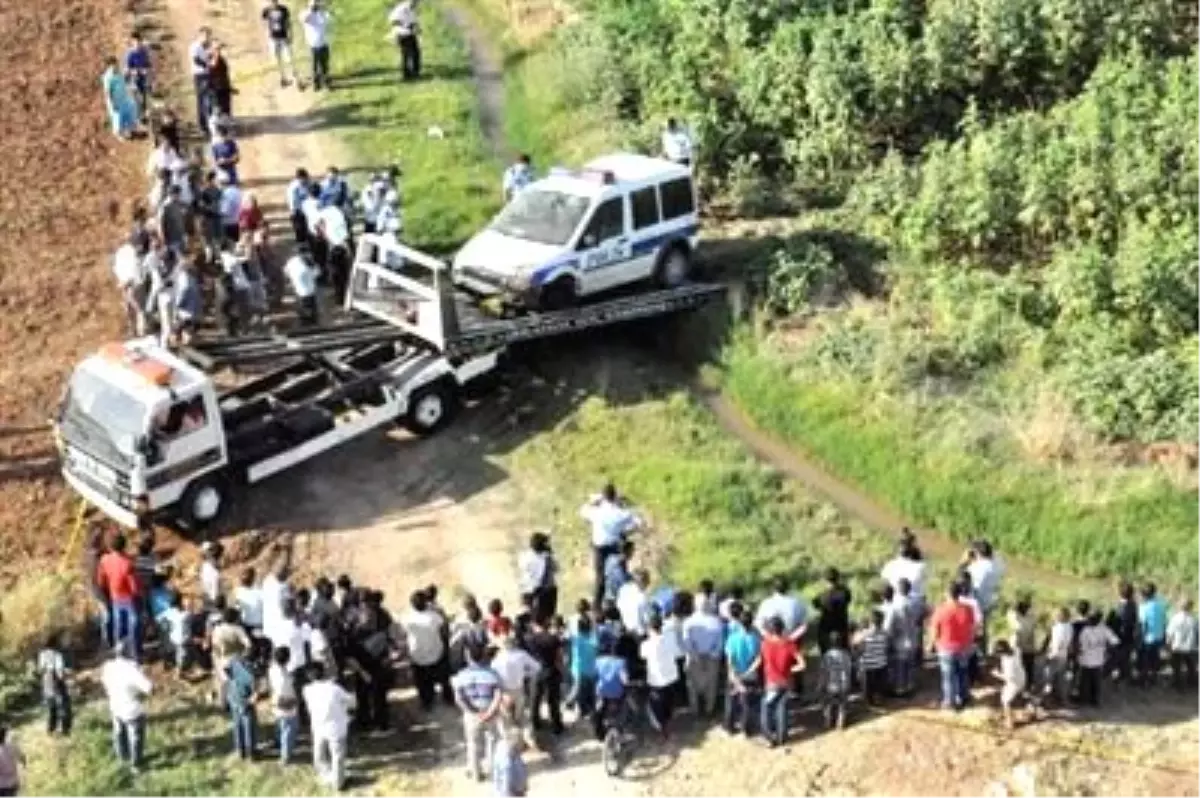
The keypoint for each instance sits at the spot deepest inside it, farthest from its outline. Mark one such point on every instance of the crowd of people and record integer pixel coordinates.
(326, 656)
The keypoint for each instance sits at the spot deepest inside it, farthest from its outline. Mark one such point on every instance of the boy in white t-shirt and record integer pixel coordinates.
(285, 702)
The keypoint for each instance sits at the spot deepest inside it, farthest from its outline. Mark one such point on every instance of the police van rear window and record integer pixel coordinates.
(677, 198)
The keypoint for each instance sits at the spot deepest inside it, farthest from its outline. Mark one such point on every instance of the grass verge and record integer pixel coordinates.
(451, 185)
(1136, 526)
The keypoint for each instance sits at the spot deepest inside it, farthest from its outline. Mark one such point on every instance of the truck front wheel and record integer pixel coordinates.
(204, 502)
(431, 407)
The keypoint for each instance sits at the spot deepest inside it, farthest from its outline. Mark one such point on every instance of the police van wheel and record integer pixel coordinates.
(559, 295)
(674, 268)
(430, 408)
(204, 502)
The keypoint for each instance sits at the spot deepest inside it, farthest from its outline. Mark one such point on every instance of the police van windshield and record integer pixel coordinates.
(101, 406)
(541, 215)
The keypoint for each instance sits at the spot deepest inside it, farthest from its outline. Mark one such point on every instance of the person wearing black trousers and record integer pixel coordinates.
(406, 29)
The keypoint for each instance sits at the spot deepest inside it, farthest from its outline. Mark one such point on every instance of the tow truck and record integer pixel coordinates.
(145, 435)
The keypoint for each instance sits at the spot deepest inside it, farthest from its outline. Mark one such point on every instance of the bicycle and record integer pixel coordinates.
(623, 732)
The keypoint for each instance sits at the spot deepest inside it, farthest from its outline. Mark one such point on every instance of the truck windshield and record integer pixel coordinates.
(542, 216)
(102, 406)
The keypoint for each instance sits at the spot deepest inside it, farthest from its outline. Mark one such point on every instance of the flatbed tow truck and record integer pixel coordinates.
(144, 434)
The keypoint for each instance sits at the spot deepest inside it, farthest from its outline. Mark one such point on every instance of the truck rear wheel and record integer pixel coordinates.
(204, 502)
(431, 407)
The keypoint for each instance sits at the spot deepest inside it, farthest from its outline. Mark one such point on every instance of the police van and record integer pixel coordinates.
(622, 219)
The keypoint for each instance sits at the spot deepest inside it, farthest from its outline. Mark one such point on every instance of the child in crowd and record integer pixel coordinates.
(834, 683)
(1011, 674)
(873, 659)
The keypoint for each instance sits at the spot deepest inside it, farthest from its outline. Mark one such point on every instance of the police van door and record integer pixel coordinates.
(604, 248)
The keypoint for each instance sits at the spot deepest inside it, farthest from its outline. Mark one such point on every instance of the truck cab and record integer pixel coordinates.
(622, 219)
(139, 429)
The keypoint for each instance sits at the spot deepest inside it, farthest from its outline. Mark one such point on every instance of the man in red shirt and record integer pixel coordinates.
(117, 580)
(780, 659)
(953, 628)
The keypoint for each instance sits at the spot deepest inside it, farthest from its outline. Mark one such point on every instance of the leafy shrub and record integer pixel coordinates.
(797, 275)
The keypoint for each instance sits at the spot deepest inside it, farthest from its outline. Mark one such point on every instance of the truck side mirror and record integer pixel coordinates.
(149, 448)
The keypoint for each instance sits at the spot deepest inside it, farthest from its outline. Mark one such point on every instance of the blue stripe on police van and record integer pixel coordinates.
(639, 248)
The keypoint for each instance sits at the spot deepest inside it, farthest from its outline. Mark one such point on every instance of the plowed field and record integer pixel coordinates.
(67, 188)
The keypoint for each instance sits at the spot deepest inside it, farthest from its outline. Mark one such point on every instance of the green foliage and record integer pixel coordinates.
(930, 471)
(451, 184)
(795, 276)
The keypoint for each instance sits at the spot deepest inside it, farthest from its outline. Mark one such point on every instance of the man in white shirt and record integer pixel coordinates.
(516, 668)
(311, 209)
(198, 56)
(329, 706)
(316, 33)
(132, 277)
(210, 573)
(292, 633)
(1183, 640)
(285, 703)
(662, 672)
(610, 523)
(248, 598)
(910, 564)
(371, 200)
(677, 143)
(517, 177)
(302, 276)
(703, 644)
(405, 29)
(423, 630)
(126, 687)
(334, 229)
(275, 593)
(633, 603)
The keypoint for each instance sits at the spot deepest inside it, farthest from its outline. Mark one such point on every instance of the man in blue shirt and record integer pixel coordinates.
(612, 676)
(1152, 615)
(297, 192)
(335, 191)
(137, 71)
(225, 154)
(611, 521)
(239, 693)
(742, 649)
(703, 643)
(478, 692)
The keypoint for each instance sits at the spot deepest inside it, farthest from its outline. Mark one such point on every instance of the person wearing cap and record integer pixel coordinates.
(517, 176)
(126, 688)
(297, 193)
(677, 143)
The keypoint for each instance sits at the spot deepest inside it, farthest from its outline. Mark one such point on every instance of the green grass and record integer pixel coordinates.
(450, 186)
(1129, 525)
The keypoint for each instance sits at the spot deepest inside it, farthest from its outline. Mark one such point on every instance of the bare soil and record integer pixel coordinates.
(69, 187)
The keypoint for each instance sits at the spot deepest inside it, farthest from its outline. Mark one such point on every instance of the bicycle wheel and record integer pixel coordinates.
(614, 754)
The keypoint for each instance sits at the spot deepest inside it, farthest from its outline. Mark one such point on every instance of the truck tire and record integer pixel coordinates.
(431, 407)
(204, 502)
(674, 267)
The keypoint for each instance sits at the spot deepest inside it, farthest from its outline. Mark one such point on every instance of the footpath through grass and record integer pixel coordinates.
(451, 185)
(1107, 523)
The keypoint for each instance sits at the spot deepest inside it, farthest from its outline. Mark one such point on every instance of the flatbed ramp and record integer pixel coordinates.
(417, 304)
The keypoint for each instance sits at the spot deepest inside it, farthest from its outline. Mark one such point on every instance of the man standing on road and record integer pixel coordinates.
(297, 193)
(137, 72)
(278, 19)
(198, 55)
(703, 638)
(610, 523)
(303, 279)
(334, 229)
(405, 29)
(422, 628)
(316, 33)
(953, 627)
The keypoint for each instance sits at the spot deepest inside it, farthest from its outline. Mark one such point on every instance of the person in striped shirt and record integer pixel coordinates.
(873, 659)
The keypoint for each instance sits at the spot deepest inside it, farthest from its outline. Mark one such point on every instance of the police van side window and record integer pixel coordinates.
(677, 198)
(644, 203)
(607, 222)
